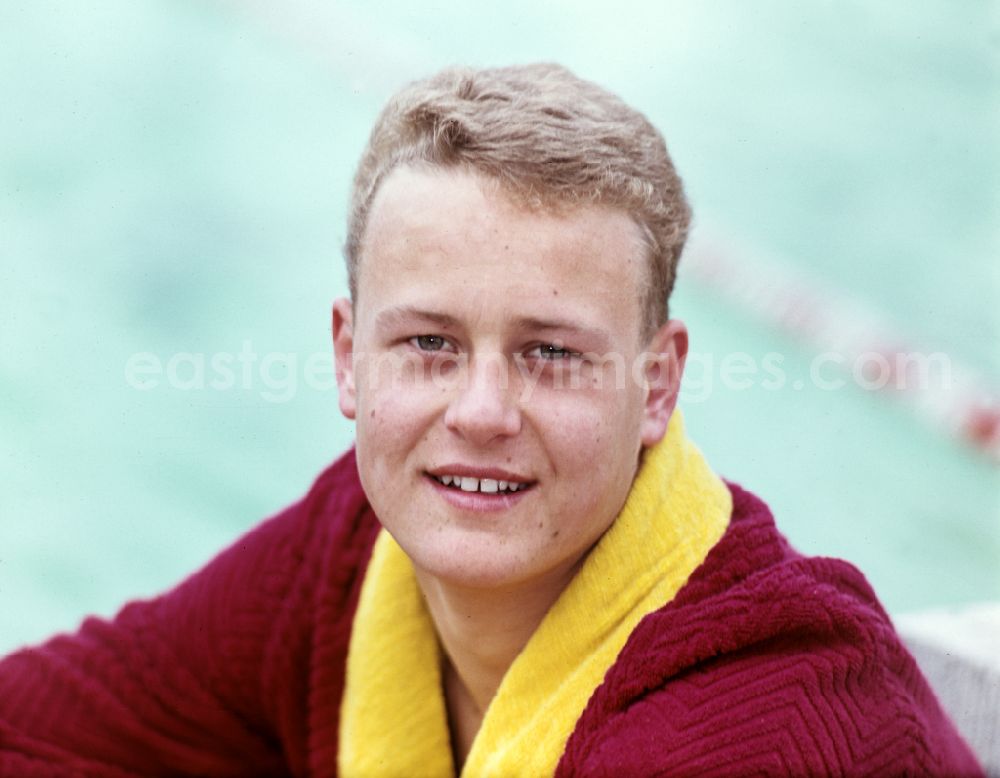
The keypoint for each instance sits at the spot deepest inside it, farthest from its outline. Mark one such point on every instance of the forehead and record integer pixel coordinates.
(455, 239)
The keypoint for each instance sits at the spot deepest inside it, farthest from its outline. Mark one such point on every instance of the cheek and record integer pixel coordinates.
(593, 442)
(394, 418)
(388, 419)
(392, 390)
(578, 430)
(385, 433)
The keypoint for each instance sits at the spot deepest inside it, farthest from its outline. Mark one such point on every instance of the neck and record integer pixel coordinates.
(482, 630)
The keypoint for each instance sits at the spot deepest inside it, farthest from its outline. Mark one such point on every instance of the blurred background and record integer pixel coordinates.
(173, 185)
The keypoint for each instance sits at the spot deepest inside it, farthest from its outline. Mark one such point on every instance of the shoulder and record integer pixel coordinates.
(322, 539)
(285, 590)
(215, 672)
(769, 660)
(318, 541)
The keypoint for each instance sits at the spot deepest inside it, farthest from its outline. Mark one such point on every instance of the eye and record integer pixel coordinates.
(429, 342)
(552, 351)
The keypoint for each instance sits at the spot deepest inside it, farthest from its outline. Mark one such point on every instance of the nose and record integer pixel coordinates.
(484, 407)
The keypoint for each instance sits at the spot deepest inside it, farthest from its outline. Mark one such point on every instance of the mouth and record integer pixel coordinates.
(489, 482)
(472, 484)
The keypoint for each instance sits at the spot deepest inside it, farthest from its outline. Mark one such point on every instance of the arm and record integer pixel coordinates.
(794, 671)
(779, 709)
(171, 686)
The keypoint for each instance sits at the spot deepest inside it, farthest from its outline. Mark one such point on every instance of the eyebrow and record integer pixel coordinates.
(394, 316)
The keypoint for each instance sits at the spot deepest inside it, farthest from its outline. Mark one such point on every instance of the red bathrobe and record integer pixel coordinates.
(765, 663)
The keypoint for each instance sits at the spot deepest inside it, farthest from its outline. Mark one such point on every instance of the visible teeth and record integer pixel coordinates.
(470, 484)
(484, 485)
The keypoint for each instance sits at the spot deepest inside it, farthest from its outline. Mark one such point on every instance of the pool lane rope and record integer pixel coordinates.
(964, 407)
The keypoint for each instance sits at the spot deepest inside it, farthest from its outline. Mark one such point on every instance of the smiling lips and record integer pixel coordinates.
(477, 480)
(484, 485)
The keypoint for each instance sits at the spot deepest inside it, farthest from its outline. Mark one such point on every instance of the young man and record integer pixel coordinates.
(524, 567)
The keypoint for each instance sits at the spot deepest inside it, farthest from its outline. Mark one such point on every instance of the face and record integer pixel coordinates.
(492, 364)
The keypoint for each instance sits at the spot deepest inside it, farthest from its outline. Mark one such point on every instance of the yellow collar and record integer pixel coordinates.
(393, 716)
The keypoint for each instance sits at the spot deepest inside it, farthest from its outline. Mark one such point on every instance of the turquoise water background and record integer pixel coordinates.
(173, 179)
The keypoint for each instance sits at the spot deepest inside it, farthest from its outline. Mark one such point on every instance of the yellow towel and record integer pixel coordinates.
(393, 715)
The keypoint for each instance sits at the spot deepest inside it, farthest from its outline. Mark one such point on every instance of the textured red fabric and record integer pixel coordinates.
(765, 663)
(238, 671)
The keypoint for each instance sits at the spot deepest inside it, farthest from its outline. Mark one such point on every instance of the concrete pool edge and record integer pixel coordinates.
(958, 650)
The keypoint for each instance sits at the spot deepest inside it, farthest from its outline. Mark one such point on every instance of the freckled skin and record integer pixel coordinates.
(432, 243)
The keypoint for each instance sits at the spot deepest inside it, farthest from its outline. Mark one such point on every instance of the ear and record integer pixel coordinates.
(343, 350)
(664, 365)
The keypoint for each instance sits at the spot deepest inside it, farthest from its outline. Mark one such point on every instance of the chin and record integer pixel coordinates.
(478, 563)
